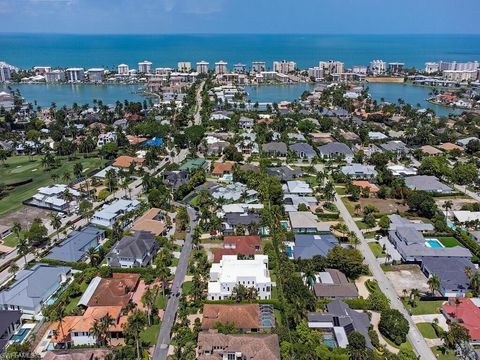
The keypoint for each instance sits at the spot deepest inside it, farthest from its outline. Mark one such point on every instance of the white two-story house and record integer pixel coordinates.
(231, 271)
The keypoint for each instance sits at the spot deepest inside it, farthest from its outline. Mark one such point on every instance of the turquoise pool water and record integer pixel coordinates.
(329, 341)
(20, 335)
(434, 243)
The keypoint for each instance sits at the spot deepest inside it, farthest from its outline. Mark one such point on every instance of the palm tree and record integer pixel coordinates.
(93, 256)
(310, 278)
(163, 273)
(353, 239)
(414, 293)
(54, 177)
(97, 330)
(106, 322)
(22, 247)
(55, 222)
(17, 229)
(66, 177)
(58, 314)
(148, 300)
(447, 205)
(135, 325)
(13, 268)
(475, 283)
(434, 283)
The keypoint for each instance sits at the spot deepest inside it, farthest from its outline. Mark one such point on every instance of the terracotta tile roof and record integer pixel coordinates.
(449, 147)
(220, 168)
(467, 313)
(252, 346)
(85, 322)
(147, 222)
(366, 184)
(244, 316)
(115, 291)
(251, 240)
(124, 161)
(237, 245)
(430, 150)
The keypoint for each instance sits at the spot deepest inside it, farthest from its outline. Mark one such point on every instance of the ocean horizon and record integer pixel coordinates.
(26, 50)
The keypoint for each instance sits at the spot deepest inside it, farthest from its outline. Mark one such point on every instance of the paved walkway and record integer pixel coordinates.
(414, 336)
(362, 289)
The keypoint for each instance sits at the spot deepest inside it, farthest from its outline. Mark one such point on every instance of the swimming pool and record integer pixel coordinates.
(20, 335)
(433, 243)
(329, 341)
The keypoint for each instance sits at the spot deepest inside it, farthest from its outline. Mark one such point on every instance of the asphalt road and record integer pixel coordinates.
(170, 314)
(197, 118)
(414, 336)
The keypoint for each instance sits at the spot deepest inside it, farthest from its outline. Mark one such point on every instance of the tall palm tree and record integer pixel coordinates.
(434, 283)
(105, 323)
(447, 205)
(162, 273)
(58, 314)
(22, 247)
(66, 177)
(135, 325)
(93, 256)
(17, 229)
(55, 222)
(97, 330)
(475, 283)
(148, 300)
(310, 277)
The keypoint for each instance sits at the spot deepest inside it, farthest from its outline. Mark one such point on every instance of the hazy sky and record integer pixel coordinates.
(240, 16)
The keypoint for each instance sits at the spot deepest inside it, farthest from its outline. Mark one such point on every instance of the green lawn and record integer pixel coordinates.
(20, 168)
(449, 241)
(340, 190)
(427, 330)
(274, 293)
(350, 207)
(361, 225)
(161, 301)
(377, 249)
(10, 240)
(73, 302)
(150, 334)
(438, 352)
(187, 286)
(424, 307)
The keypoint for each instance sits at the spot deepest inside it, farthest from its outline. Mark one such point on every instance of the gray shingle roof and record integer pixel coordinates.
(307, 246)
(77, 244)
(133, 247)
(303, 150)
(33, 286)
(426, 183)
(451, 272)
(275, 147)
(335, 148)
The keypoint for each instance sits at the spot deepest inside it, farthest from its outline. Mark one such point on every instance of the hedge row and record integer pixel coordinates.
(276, 304)
(329, 216)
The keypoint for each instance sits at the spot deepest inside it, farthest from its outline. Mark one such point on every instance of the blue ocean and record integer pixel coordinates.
(27, 50)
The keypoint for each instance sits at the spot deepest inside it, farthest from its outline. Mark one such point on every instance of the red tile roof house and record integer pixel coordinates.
(222, 168)
(466, 312)
(238, 245)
